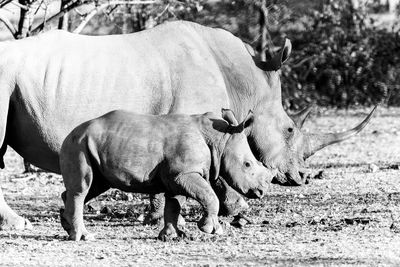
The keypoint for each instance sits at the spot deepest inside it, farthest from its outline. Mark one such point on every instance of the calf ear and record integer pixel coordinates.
(248, 121)
(229, 116)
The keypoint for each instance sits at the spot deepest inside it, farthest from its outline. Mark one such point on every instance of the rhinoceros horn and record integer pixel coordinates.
(300, 117)
(319, 141)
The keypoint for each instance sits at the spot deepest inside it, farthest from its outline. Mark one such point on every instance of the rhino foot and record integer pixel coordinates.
(210, 225)
(170, 233)
(230, 201)
(231, 207)
(15, 222)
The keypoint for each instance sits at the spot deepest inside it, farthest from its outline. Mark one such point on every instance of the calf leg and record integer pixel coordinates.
(195, 186)
(98, 187)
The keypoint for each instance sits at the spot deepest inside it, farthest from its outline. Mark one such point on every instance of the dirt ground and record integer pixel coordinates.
(350, 214)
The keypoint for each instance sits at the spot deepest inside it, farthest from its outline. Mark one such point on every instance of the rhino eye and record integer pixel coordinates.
(247, 164)
(290, 129)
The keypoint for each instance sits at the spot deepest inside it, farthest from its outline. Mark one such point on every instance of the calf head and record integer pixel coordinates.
(239, 167)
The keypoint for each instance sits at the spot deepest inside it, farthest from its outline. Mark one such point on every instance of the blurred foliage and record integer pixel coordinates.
(339, 58)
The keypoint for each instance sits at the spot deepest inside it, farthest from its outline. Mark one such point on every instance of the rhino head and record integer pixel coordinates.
(276, 139)
(239, 167)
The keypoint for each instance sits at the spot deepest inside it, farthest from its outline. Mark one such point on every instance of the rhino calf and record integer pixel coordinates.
(176, 154)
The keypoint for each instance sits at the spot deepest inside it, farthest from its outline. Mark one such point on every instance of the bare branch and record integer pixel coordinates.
(73, 4)
(20, 5)
(9, 25)
(100, 8)
(5, 2)
(66, 9)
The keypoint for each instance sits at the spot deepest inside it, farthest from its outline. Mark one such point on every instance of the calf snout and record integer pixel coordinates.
(264, 180)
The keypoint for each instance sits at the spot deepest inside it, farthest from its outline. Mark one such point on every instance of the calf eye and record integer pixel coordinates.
(290, 129)
(247, 164)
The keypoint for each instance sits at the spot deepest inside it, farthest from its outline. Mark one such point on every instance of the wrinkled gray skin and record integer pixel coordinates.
(176, 154)
(53, 82)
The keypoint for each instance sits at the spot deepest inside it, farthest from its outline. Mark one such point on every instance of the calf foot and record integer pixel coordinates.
(169, 232)
(81, 235)
(12, 221)
(210, 225)
(233, 207)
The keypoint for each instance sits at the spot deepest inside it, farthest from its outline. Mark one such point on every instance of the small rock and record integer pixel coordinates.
(301, 196)
(126, 196)
(140, 218)
(129, 214)
(106, 210)
(375, 132)
(326, 197)
(373, 168)
(320, 175)
(240, 221)
(357, 220)
(394, 167)
(395, 227)
(94, 206)
(292, 224)
(265, 222)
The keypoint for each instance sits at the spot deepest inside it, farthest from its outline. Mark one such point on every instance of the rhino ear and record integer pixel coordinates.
(248, 121)
(229, 116)
(276, 61)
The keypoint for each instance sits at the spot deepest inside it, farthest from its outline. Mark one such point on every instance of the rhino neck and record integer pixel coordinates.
(215, 133)
(246, 85)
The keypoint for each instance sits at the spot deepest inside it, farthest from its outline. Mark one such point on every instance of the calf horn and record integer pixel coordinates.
(319, 141)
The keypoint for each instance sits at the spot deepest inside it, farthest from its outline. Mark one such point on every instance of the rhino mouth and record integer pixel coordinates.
(287, 179)
(255, 193)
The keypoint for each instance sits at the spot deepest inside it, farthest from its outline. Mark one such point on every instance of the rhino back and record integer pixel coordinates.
(61, 79)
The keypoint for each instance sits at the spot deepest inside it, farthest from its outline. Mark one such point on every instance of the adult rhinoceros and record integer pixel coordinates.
(57, 80)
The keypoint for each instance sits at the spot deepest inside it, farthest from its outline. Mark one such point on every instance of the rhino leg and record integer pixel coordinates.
(172, 211)
(231, 202)
(195, 186)
(157, 203)
(9, 220)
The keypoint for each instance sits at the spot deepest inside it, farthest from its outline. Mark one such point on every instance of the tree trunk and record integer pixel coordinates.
(63, 22)
(263, 29)
(25, 20)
